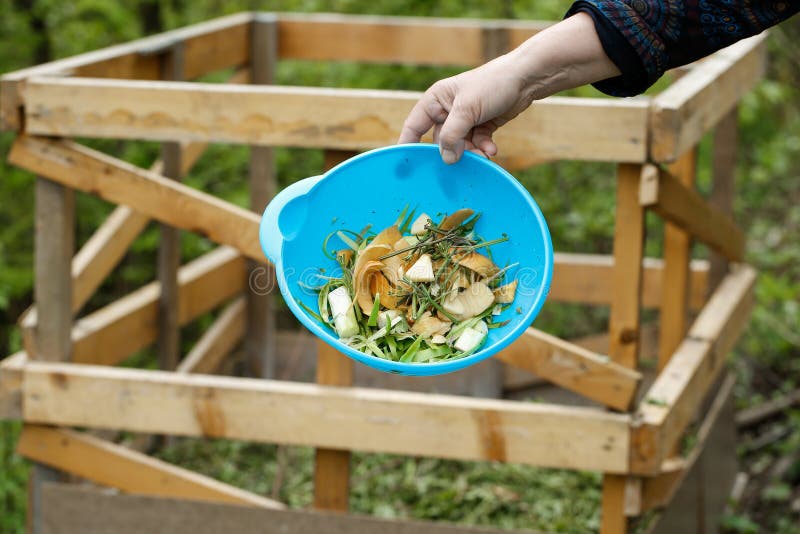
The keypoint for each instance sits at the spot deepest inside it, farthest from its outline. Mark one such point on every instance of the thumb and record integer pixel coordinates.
(456, 127)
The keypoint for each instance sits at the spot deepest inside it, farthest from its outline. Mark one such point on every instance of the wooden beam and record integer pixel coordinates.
(11, 385)
(210, 46)
(657, 492)
(664, 193)
(132, 472)
(324, 416)
(405, 40)
(259, 341)
(674, 312)
(217, 342)
(673, 399)
(588, 279)
(573, 368)
(345, 119)
(73, 508)
(683, 113)
(149, 193)
(116, 331)
(726, 140)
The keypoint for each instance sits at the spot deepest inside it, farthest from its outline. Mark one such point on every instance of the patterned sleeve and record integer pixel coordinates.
(644, 38)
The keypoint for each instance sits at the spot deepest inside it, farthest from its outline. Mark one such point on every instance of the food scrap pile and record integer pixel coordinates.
(418, 291)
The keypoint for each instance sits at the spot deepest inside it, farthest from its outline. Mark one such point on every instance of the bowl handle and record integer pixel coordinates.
(269, 232)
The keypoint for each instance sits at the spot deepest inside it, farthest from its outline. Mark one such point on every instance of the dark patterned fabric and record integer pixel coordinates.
(644, 38)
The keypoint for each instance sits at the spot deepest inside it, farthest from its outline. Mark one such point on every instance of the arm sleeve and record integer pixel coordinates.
(645, 38)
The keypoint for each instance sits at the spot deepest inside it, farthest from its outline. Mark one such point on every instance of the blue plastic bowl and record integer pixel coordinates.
(373, 188)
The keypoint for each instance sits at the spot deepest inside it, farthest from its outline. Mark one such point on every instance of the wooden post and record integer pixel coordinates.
(726, 137)
(625, 315)
(260, 334)
(675, 285)
(169, 246)
(54, 245)
(332, 466)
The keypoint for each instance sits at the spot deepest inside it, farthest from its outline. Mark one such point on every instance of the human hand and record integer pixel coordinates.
(465, 110)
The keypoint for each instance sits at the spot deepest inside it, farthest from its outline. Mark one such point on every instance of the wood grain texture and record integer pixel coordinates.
(579, 370)
(724, 154)
(217, 341)
(119, 467)
(677, 256)
(690, 107)
(114, 332)
(11, 385)
(673, 399)
(345, 119)
(664, 193)
(324, 416)
(588, 279)
(70, 508)
(213, 45)
(149, 193)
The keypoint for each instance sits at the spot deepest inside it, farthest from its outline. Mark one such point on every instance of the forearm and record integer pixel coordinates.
(566, 55)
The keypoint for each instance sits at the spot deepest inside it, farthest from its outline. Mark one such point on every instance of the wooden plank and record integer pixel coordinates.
(116, 331)
(726, 140)
(11, 386)
(690, 107)
(657, 492)
(677, 255)
(54, 245)
(259, 341)
(673, 399)
(149, 193)
(628, 268)
(664, 193)
(325, 416)
(588, 279)
(168, 344)
(592, 375)
(214, 45)
(70, 508)
(217, 342)
(623, 327)
(119, 467)
(405, 40)
(345, 119)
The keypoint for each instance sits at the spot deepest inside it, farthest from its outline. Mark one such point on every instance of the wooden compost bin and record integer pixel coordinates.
(68, 373)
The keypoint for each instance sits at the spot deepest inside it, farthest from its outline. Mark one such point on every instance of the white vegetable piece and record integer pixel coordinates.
(418, 226)
(344, 317)
(388, 316)
(471, 337)
(438, 339)
(422, 270)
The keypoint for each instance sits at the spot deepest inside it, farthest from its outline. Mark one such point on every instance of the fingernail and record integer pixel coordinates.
(448, 156)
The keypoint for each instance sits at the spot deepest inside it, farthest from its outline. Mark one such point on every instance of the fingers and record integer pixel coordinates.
(454, 131)
(482, 138)
(427, 112)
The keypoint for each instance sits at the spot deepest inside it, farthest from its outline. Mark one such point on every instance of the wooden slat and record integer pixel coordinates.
(169, 244)
(217, 342)
(149, 193)
(129, 471)
(657, 492)
(624, 322)
(673, 399)
(588, 279)
(412, 40)
(347, 119)
(574, 368)
(71, 508)
(664, 193)
(214, 45)
(116, 331)
(259, 341)
(324, 416)
(677, 255)
(691, 106)
(11, 386)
